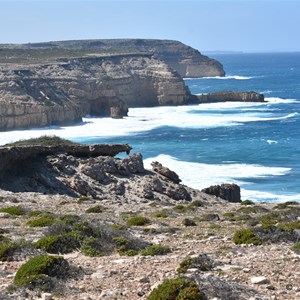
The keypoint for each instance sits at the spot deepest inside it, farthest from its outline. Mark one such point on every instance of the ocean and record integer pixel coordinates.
(256, 145)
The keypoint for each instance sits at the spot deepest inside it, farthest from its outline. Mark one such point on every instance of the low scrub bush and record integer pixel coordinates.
(13, 210)
(155, 250)
(296, 248)
(246, 236)
(177, 289)
(188, 222)
(201, 262)
(137, 221)
(38, 271)
(41, 222)
(95, 209)
(63, 243)
(91, 247)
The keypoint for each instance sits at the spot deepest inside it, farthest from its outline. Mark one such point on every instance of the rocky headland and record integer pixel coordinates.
(83, 224)
(187, 61)
(58, 83)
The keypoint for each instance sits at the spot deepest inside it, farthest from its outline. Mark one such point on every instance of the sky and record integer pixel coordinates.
(207, 25)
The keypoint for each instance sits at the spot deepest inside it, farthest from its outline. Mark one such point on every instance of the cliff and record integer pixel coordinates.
(63, 90)
(187, 61)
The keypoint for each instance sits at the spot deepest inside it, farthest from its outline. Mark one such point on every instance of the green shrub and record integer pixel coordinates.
(7, 248)
(43, 141)
(269, 220)
(95, 209)
(160, 214)
(195, 203)
(117, 226)
(229, 215)
(246, 236)
(84, 228)
(36, 272)
(91, 247)
(83, 199)
(125, 251)
(63, 243)
(39, 213)
(285, 205)
(289, 227)
(254, 209)
(247, 202)
(121, 241)
(70, 219)
(41, 222)
(188, 222)
(155, 250)
(177, 289)
(180, 208)
(125, 246)
(296, 248)
(137, 221)
(201, 262)
(13, 210)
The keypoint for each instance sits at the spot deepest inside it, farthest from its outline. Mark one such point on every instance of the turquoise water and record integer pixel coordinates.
(256, 145)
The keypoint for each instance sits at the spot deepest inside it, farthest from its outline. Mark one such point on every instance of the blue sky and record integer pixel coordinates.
(238, 25)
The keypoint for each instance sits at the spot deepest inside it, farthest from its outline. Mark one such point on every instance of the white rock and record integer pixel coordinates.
(259, 280)
(47, 296)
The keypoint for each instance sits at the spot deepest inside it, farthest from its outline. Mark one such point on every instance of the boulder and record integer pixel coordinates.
(230, 192)
(164, 171)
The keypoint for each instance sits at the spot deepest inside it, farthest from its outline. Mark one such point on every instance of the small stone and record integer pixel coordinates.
(259, 280)
(47, 296)
(143, 279)
(246, 270)
(141, 293)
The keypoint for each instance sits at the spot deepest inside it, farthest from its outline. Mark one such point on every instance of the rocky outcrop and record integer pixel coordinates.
(10, 157)
(166, 172)
(230, 96)
(187, 61)
(230, 192)
(93, 170)
(66, 90)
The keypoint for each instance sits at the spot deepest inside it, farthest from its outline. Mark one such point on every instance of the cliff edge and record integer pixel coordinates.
(187, 61)
(66, 89)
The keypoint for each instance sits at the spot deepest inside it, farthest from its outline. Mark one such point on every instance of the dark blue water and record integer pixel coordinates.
(255, 145)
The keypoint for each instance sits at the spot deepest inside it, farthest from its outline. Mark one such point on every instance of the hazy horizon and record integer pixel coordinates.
(209, 26)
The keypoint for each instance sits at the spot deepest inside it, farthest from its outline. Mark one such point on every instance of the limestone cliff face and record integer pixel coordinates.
(187, 61)
(66, 90)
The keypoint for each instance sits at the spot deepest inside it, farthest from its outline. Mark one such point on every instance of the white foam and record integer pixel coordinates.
(276, 100)
(200, 175)
(268, 197)
(145, 119)
(270, 142)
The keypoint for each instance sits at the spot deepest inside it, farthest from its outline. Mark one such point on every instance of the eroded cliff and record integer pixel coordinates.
(66, 89)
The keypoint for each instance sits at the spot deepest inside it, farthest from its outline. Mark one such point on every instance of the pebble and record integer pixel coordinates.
(143, 279)
(47, 296)
(259, 280)
(246, 270)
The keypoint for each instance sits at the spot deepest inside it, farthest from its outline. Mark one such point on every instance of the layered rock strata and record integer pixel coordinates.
(224, 96)
(64, 91)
